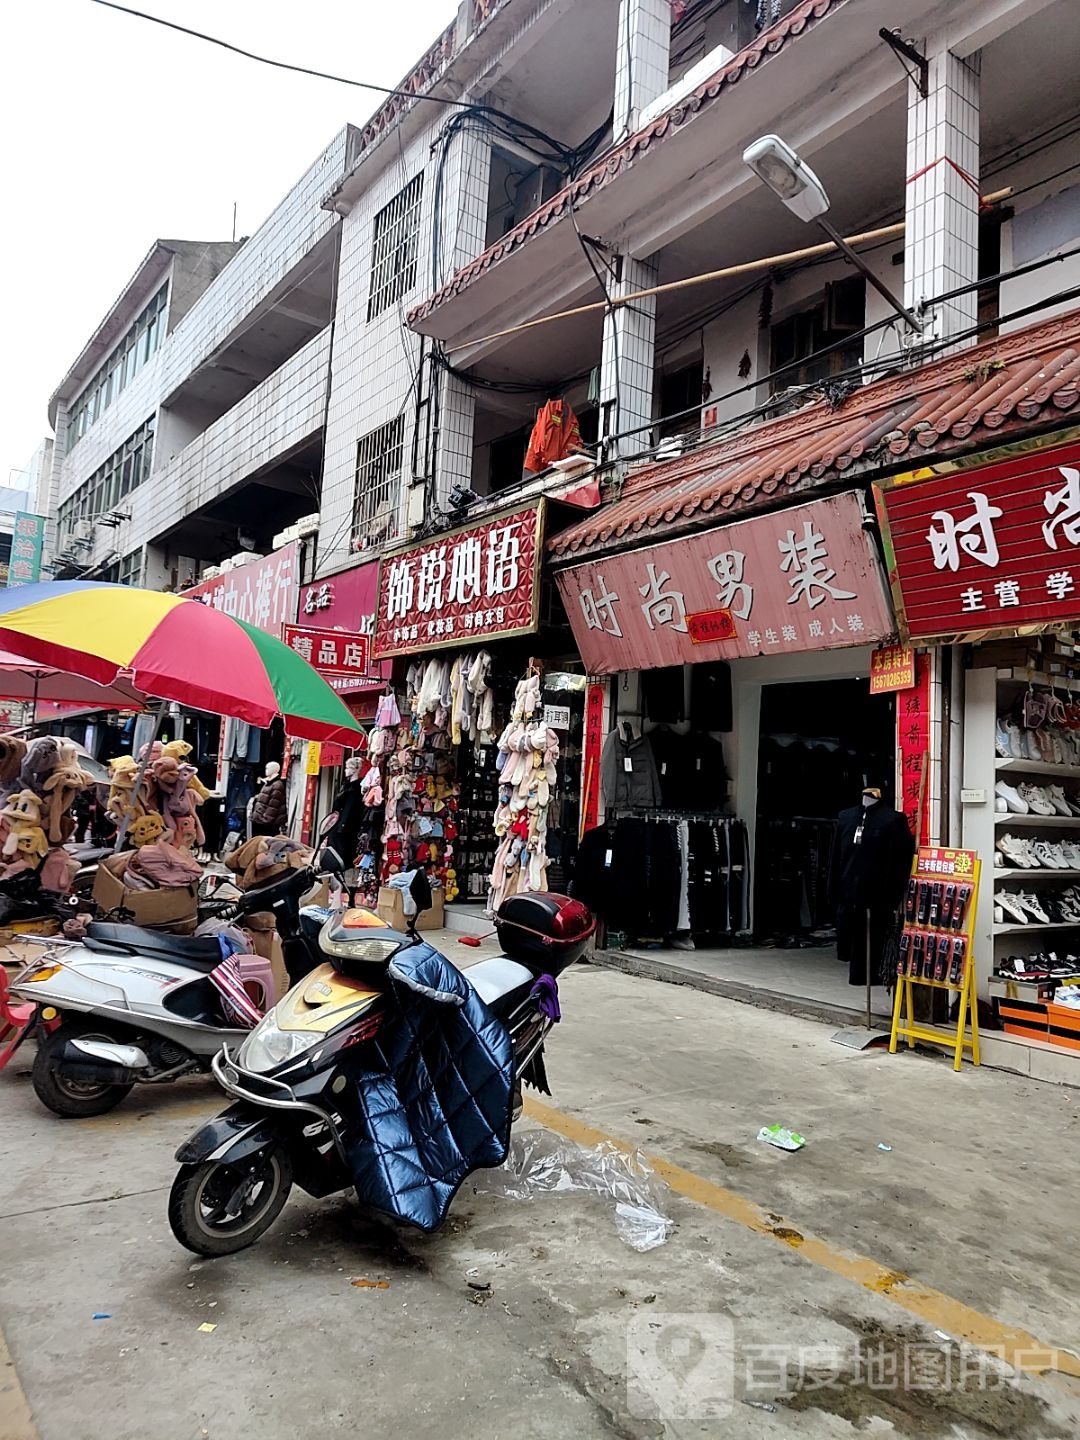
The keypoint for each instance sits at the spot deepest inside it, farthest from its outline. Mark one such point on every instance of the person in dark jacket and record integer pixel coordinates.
(268, 809)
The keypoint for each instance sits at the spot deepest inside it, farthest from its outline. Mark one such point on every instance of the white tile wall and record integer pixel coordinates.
(283, 412)
(626, 373)
(942, 206)
(641, 64)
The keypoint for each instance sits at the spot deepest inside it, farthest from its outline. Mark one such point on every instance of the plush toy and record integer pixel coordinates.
(147, 829)
(12, 754)
(41, 759)
(180, 750)
(25, 837)
(61, 788)
(122, 800)
(178, 800)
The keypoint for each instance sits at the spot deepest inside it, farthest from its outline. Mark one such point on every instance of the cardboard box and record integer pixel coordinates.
(155, 909)
(391, 910)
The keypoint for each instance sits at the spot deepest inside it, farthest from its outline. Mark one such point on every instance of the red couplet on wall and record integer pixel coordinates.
(988, 549)
(595, 696)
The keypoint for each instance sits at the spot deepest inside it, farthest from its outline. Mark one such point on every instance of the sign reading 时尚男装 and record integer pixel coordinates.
(473, 584)
(803, 578)
(989, 549)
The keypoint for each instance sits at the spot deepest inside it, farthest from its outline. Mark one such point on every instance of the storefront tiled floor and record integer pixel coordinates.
(813, 974)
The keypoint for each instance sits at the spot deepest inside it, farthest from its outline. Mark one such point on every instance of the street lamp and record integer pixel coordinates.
(789, 177)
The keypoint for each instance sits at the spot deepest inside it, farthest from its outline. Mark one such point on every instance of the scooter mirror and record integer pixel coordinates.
(328, 824)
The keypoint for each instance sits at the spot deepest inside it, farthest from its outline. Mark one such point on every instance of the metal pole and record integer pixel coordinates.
(879, 285)
(869, 977)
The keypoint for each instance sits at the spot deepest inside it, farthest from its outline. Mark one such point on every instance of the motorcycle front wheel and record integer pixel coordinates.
(216, 1209)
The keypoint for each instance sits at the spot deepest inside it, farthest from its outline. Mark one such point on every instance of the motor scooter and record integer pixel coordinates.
(385, 1069)
(138, 1006)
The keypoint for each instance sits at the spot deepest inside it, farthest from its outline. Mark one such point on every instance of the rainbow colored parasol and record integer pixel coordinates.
(172, 649)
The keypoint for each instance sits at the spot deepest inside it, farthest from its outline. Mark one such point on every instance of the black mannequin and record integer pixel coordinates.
(871, 865)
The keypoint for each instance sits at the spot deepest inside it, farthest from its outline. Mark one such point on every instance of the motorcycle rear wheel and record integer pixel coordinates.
(64, 1096)
(200, 1194)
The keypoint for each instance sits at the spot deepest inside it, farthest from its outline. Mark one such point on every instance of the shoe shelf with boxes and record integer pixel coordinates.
(1022, 812)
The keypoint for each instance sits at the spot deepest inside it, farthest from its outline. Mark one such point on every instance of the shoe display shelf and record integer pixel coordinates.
(988, 695)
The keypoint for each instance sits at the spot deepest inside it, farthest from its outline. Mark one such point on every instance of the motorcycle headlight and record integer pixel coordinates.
(267, 1046)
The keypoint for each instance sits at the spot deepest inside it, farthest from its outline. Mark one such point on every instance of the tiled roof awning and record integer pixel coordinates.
(999, 389)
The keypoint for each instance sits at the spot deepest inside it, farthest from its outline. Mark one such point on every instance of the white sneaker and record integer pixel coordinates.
(1014, 802)
(1035, 799)
(1009, 901)
(1049, 855)
(999, 915)
(1014, 850)
(1071, 853)
(1031, 745)
(1056, 795)
(1001, 739)
(1031, 904)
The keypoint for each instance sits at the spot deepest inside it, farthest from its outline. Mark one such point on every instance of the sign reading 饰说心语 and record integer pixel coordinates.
(473, 584)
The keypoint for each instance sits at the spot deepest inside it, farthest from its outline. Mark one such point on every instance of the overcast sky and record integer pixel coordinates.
(117, 132)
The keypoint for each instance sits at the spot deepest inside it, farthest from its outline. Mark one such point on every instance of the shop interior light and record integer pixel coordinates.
(778, 166)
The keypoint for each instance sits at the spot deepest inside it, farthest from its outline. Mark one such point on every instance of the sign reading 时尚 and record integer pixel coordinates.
(994, 548)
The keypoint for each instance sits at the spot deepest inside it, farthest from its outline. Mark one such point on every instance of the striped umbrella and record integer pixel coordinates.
(172, 649)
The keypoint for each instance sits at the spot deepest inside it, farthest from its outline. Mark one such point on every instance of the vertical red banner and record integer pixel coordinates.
(912, 743)
(595, 701)
(307, 824)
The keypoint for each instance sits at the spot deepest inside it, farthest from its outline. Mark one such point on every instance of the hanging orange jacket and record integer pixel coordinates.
(554, 436)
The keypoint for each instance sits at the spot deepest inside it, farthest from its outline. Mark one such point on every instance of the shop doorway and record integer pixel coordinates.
(820, 742)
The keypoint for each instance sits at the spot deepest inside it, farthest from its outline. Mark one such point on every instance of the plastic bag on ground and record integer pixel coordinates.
(540, 1162)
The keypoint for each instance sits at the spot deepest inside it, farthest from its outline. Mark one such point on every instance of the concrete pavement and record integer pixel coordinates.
(806, 1282)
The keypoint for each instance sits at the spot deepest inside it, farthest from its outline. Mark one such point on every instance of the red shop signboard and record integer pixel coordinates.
(330, 652)
(993, 548)
(262, 593)
(345, 603)
(476, 583)
(804, 578)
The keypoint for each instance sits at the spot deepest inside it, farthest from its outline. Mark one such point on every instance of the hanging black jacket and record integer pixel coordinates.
(874, 872)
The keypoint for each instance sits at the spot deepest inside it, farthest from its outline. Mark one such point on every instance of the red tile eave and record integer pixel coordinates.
(1026, 381)
(770, 42)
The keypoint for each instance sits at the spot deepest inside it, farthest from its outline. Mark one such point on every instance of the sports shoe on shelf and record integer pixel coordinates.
(1035, 799)
(999, 915)
(1001, 739)
(1009, 901)
(1031, 745)
(1056, 795)
(1020, 967)
(1071, 853)
(1017, 852)
(1073, 804)
(1013, 801)
(1017, 743)
(1049, 856)
(1031, 904)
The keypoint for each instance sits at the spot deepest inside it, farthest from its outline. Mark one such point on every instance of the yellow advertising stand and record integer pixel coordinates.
(936, 948)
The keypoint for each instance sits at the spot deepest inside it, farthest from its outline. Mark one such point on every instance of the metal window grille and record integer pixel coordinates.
(379, 459)
(394, 251)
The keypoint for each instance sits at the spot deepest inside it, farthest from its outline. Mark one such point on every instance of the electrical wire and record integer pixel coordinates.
(277, 64)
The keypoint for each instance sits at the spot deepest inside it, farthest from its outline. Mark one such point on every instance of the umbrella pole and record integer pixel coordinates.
(33, 702)
(140, 774)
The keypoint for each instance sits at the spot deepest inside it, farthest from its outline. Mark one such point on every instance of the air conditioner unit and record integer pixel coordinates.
(307, 527)
(83, 530)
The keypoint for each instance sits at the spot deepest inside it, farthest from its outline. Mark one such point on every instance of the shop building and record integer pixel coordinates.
(190, 426)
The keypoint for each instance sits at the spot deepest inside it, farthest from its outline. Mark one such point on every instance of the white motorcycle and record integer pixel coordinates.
(138, 1006)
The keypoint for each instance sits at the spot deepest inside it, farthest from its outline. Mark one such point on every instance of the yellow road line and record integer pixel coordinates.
(16, 1422)
(1017, 1347)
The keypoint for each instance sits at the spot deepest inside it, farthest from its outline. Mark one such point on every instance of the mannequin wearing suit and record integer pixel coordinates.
(870, 868)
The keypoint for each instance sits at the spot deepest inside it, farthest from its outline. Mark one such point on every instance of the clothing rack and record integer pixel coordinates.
(645, 813)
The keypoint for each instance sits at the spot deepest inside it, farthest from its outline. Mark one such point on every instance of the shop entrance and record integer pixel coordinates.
(820, 742)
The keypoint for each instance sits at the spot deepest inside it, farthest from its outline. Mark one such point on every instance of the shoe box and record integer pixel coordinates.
(1036, 652)
(1026, 1008)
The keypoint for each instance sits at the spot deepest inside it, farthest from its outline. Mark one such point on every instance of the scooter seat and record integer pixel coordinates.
(200, 952)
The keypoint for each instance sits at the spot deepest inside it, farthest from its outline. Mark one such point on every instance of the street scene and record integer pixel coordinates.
(540, 720)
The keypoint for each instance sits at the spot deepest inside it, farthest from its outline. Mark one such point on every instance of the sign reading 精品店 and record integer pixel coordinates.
(803, 578)
(987, 549)
(473, 584)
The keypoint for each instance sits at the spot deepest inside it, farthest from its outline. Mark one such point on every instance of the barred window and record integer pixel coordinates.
(379, 460)
(394, 251)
